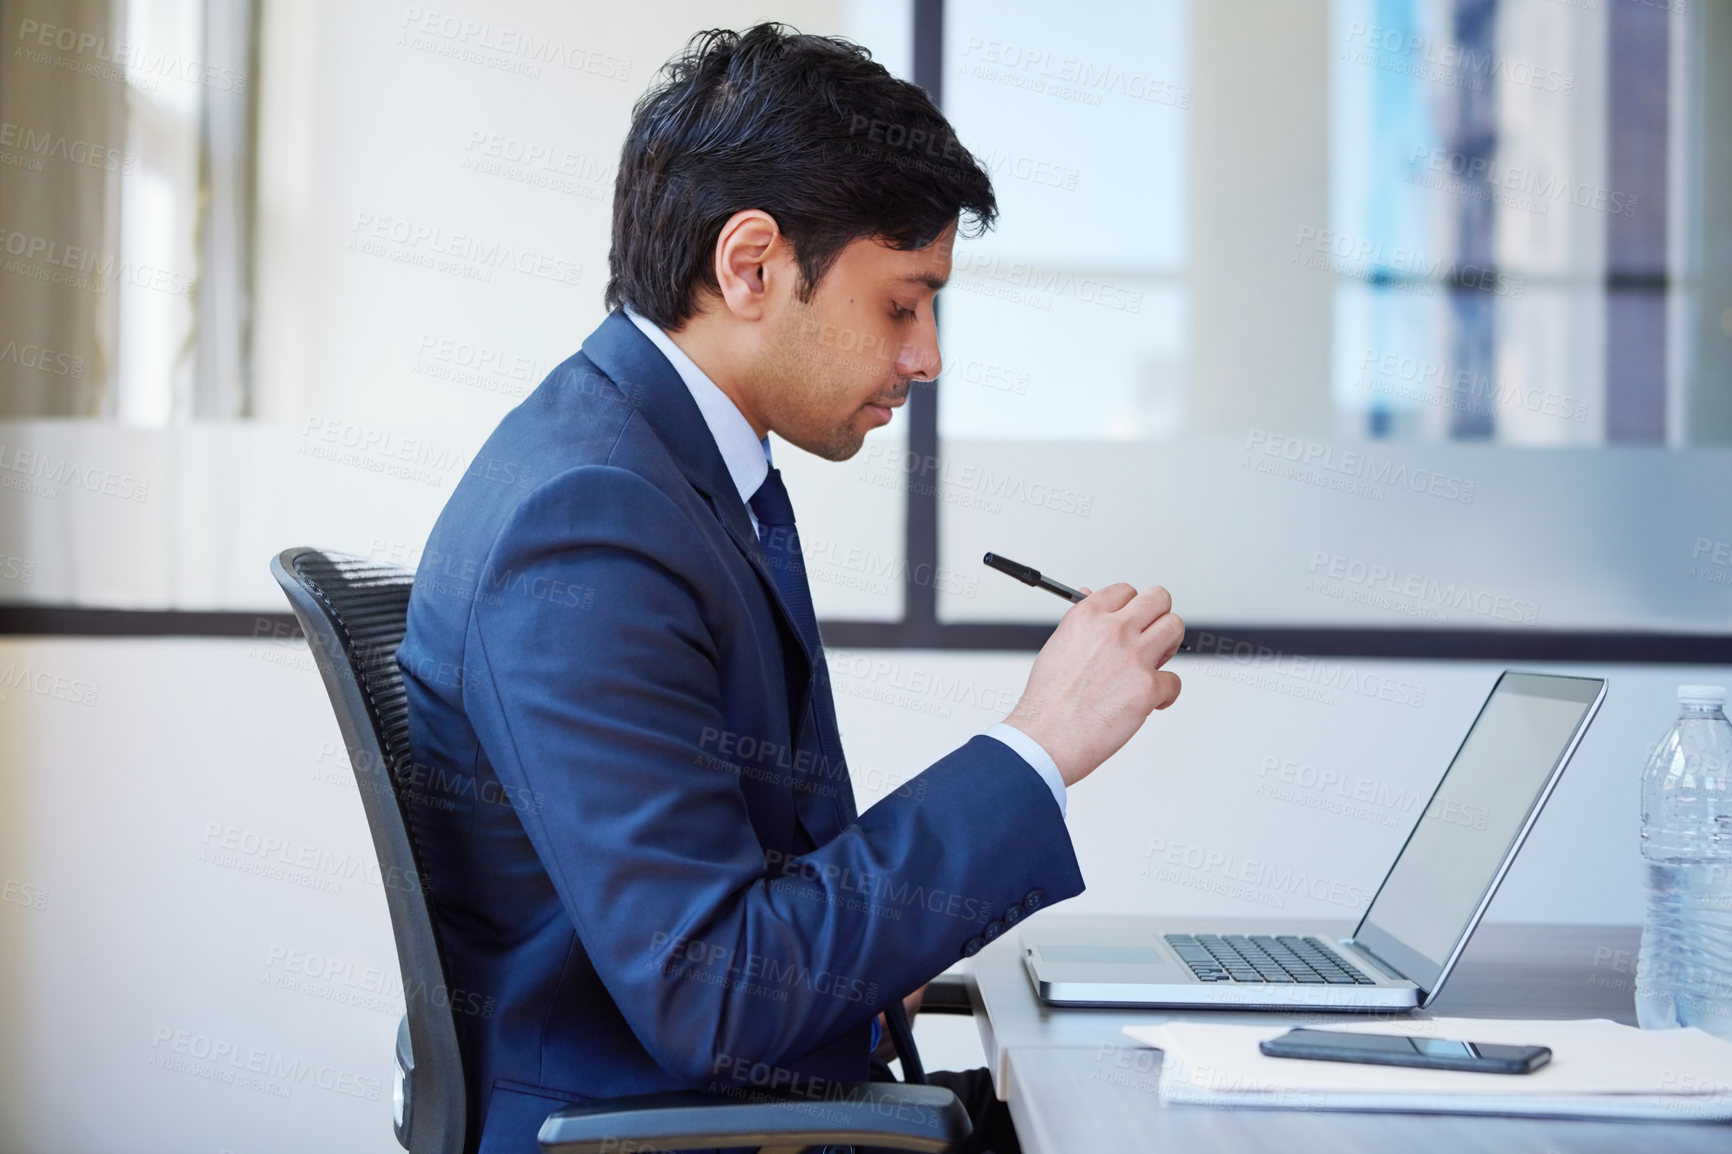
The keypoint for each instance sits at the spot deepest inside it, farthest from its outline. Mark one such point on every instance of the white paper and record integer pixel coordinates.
(1598, 1069)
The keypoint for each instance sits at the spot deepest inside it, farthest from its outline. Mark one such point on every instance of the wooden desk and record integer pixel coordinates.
(1076, 1084)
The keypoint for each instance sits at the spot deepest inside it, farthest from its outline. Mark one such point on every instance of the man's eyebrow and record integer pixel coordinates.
(930, 280)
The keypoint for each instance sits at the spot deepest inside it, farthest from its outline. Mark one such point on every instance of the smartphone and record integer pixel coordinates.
(1401, 1050)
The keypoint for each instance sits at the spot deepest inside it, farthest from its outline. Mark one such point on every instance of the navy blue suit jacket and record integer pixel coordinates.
(639, 834)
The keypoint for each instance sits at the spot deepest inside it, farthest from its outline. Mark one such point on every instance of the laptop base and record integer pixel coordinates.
(1147, 971)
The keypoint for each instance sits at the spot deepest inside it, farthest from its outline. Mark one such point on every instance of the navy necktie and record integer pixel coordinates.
(781, 542)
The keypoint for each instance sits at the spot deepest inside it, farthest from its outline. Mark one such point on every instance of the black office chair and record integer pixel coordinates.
(353, 612)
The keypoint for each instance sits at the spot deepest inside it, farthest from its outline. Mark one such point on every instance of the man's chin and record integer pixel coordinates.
(834, 445)
(842, 449)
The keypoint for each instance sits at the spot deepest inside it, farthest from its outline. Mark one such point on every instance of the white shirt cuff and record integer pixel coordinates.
(1037, 758)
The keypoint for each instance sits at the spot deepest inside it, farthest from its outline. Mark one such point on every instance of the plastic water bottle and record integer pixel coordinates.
(1684, 973)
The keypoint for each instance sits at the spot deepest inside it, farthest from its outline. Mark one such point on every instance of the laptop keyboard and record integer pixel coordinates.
(1274, 959)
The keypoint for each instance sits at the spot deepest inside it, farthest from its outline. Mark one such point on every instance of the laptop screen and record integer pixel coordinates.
(1454, 857)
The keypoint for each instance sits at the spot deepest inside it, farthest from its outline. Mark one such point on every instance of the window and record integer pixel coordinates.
(1069, 320)
(1421, 283)
(126, 200)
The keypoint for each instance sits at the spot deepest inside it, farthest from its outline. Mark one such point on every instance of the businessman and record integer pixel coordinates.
(642, 848)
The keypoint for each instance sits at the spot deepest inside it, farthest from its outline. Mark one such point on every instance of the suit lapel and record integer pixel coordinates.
(652, 386)
(823, 796)
(831, 773)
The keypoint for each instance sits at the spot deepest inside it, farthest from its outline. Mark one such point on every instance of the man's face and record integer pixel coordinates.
(838, 366)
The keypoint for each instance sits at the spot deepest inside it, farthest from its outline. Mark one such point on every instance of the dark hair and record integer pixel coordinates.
(807, 128)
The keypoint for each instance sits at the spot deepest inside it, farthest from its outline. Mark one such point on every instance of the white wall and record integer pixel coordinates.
(200, 861)
(1284, 788)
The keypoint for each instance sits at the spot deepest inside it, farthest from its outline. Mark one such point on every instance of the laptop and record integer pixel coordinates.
(1423, 913)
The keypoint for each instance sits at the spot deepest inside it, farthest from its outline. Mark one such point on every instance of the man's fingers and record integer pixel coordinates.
(1163, 637)
(1167, 686)
(1147, 607)
(1114, 597)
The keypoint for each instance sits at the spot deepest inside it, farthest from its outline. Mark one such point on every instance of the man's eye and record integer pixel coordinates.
(901, 313)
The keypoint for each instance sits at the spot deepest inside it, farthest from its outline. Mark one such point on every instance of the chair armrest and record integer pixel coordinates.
(884, 1114)
(947, 994)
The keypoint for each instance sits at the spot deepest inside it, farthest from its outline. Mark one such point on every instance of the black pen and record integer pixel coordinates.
(1029, 575)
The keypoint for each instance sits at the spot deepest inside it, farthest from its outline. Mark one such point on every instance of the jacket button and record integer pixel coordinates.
(1012, 915)
(974, 946)
(1034, 900)
(992, 930)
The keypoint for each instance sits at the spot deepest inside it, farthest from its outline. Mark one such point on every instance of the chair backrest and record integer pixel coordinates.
(353, 612)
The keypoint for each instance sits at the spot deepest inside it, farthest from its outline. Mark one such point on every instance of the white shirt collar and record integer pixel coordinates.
(747, 458)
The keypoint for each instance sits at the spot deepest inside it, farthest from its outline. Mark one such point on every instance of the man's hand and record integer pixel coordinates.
(1099, 677)
(886, 1051)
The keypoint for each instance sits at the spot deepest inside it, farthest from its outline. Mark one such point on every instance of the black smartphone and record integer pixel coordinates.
(1401, 1050)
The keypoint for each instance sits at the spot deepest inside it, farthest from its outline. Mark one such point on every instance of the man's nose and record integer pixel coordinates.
(920, 358)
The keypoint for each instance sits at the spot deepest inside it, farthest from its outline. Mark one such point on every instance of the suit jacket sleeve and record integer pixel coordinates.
(598, 681)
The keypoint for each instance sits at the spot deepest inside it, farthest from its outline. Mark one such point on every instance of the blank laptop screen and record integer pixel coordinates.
(1481, 806)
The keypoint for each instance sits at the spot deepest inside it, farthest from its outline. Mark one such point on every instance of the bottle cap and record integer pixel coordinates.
(1701, 695)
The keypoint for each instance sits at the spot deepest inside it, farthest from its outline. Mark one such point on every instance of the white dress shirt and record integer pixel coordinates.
(747, 457)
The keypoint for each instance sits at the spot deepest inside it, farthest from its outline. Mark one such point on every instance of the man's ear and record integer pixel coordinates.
(752, 257)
